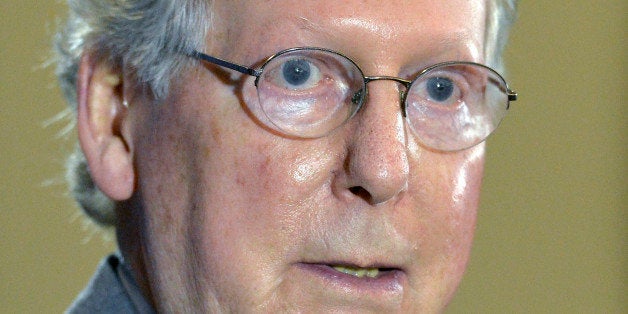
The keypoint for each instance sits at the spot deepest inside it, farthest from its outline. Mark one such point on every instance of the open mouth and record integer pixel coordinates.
(348, 271)
(360, 272)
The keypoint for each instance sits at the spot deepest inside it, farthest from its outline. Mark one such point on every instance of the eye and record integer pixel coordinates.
(439, 88)
(444, 88)
(298, 74)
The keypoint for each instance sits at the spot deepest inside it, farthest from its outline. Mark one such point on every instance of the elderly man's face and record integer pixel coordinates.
(239, 218)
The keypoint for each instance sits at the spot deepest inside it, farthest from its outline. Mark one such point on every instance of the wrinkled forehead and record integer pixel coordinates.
(369, 24)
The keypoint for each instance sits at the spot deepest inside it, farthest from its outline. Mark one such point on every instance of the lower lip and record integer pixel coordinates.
(387, 284)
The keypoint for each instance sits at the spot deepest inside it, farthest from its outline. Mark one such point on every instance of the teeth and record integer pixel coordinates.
(357, 271)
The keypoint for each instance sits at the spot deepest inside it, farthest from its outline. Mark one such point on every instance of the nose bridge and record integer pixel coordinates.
(402, 92)
(378, 160)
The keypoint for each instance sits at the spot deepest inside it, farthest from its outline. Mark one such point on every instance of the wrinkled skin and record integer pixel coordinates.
(227, 216)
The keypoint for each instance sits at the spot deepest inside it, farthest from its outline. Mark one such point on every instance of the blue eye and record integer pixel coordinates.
(296, 72)
(439, 88)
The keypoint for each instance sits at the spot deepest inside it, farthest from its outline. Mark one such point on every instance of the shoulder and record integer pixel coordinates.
(104, 293)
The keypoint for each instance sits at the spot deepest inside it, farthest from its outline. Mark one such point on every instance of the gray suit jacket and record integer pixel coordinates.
(111, 290)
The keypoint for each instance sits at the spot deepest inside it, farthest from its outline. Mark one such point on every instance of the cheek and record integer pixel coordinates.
(446, 189)
(463, 191)
(252, 195)
(268, 193)
(446, 194)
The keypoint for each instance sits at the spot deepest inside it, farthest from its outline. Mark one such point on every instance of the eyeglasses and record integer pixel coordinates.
(308, 92)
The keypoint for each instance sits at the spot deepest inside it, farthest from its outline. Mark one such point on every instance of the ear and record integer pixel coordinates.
(101, 115)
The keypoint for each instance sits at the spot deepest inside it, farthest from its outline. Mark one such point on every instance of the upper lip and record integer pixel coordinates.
(383, 259)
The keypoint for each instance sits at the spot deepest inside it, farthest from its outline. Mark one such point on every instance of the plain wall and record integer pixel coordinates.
(551, 234)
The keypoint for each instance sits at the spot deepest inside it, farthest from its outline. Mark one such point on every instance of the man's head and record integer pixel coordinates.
(214, 210)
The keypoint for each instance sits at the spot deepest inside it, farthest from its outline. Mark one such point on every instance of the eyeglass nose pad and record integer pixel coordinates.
(402, 101)
(359, 96)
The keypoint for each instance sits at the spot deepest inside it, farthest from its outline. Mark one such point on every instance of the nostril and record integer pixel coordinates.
(361, 192)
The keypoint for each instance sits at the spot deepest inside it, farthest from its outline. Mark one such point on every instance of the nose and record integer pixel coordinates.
(377, 162)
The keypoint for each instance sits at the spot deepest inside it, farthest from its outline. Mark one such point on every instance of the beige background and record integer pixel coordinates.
(552, 227)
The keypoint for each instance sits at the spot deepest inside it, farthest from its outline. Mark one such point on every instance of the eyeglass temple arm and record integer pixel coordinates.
(512, 95)
(226, 64)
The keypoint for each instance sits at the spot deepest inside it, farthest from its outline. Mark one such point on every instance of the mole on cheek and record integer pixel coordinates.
(217, 135)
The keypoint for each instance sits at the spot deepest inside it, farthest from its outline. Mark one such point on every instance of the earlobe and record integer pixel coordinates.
(101, 114)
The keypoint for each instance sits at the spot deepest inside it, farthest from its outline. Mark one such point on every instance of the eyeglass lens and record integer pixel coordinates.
(308, 93)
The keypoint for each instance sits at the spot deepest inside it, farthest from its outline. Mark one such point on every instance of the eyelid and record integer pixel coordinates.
(470, 74)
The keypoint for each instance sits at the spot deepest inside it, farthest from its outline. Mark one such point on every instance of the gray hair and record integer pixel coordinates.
(152, 37)
(147, 36)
